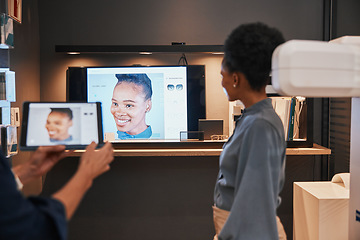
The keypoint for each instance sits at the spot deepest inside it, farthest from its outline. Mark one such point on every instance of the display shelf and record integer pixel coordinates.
(315, 150)
(139, 48)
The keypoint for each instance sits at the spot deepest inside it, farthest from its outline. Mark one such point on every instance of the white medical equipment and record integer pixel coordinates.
(326, 69)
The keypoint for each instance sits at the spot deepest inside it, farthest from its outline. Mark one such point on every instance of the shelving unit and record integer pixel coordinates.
(178, 48)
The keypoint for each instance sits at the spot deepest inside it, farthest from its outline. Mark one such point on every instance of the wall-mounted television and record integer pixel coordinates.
(167, 99)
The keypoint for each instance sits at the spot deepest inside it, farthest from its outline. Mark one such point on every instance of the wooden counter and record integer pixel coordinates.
(315, 150)
(168, 189)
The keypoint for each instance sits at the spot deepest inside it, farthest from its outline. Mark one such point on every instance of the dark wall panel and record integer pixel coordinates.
(161, 198)
(158, 198)
(346, 22)
(161, 22)
(146, 22)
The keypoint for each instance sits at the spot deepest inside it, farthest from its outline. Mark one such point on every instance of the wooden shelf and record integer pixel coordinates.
(315, 150)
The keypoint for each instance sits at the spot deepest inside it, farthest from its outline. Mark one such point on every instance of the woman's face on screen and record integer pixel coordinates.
(129, 108)
(57, 125)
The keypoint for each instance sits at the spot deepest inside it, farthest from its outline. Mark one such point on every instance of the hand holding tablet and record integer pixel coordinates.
(74, 125)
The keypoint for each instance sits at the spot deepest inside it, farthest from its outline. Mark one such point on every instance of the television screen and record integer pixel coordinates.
(142, 102)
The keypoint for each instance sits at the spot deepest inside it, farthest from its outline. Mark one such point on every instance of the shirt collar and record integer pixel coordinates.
(145, 134)
(59, 141)
(258, 106)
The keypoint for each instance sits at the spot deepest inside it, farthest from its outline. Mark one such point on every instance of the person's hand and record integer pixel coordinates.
(95, 162)
(40, 162)
(92, 164)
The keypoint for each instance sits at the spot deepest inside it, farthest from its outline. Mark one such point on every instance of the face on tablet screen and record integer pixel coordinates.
(58, 124)
(61, 123)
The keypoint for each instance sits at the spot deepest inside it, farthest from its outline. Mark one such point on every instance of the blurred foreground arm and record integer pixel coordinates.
(31, 217)
(40, 162)
(92, 164)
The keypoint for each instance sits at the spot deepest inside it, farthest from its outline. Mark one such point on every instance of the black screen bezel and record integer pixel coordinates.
(76, 89)
(24, 126)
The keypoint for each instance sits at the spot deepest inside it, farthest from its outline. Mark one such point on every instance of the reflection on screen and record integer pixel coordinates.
(126, 110)
(62, 123)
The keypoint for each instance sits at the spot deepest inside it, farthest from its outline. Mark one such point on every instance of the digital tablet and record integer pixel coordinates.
(74, 125)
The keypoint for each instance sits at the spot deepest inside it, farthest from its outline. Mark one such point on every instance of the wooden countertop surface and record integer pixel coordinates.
(315, 150)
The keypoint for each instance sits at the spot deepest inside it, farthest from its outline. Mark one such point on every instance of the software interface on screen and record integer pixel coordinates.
(62, 123)
(165, 114)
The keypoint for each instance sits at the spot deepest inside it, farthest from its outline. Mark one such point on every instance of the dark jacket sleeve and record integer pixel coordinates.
(27, 218)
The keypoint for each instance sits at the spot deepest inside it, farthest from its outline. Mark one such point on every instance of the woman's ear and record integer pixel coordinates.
(235, 78)
(148, 105)
(239, 79)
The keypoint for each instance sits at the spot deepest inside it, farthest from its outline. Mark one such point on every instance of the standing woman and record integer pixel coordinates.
(252, 164)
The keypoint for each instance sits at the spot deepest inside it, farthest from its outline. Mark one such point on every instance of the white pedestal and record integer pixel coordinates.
(354, 204)
(321, 211)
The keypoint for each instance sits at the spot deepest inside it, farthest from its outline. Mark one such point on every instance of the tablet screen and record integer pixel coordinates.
(72, 124)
